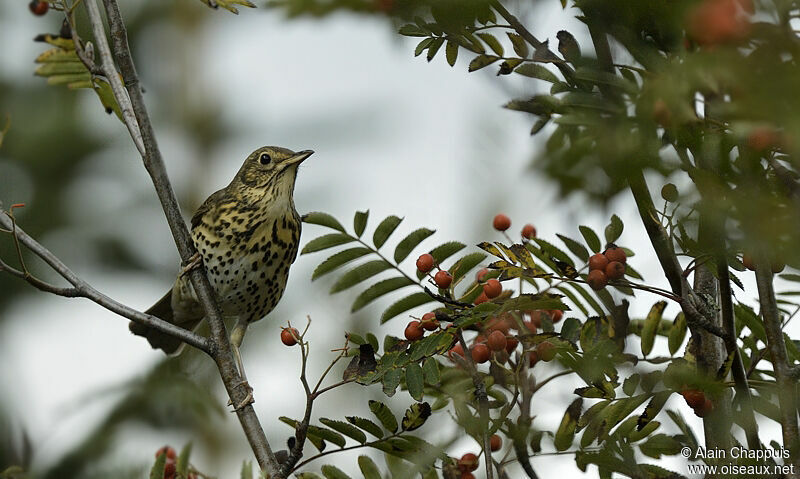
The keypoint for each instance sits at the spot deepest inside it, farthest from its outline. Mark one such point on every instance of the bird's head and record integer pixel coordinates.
(270, 170)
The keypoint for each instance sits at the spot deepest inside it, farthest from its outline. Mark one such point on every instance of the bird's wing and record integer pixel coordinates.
(210, 202)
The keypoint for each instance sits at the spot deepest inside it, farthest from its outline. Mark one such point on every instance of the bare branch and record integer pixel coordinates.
(82, 289)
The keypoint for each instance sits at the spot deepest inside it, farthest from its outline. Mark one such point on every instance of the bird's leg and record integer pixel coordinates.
(237, 336)
(195, 261)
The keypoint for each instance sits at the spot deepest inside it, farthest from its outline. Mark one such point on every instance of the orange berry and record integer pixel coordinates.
(38, 7)
(168, 451)
(425, 262)
(467, 463)
(748, 262)
(429, 321)
(546, 351)
(615, 253)
(496, 341)
(598, 261)
(615, 270)
(169, 470)
(492, 288)
(443, 279)
(705, 409)
(481, 274)
(597, 279)
(495, 442)
(529, 231)
(556, 315)
(482, 298)
(763, 138)
(694, 398)
(457, 349)
(289, 336)
(533, 358)
(501, 222)
(414, 331)
(480, 353)
(511, 344)
(717, 21)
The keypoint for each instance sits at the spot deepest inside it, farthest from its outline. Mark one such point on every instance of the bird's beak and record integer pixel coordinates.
(298, 157)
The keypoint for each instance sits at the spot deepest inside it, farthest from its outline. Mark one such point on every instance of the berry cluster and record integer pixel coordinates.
(606, 266)
(170, 465)
(425, 264)
(502, 222)
(698, 401)
(469, 462)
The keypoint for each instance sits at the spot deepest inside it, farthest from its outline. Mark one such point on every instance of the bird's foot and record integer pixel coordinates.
(248, 399)
(195, 261)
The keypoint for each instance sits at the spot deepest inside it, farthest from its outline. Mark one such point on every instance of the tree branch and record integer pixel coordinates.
(237, 389)
(82, 289)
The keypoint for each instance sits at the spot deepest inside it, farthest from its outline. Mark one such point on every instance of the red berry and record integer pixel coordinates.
(289, 336)
(457, 349)
(546, 351)
(482, 298)
(598, 261)
(497, 341)
(763, 138)
(615, 270)
(511, 344)
(480, 353)
(414, 331)
(467, 463)
(492, 288)
(597, 279)
(748, 262)
(170, 452)
(705, 409)
(537, 317)
(533, 358)
(694, 398)
(425, 262)
(481, 274)
(615, 253)
(556, 315)
(443, 279)
(529, 231)
(495, 442)
(169, 470)
(429, 321)
(501, 222)
(38, 7)
(717, 21)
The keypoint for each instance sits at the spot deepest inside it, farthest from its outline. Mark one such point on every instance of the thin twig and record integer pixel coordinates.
(483, 404)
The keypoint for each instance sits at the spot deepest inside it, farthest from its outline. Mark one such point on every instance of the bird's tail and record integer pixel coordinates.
(158, 340)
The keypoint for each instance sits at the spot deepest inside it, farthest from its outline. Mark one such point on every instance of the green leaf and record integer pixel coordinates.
(326, 241)
(157, 471)
(307, 475)
(379, 289)
(519, 43)
(652, 409)
(465, 264)
(442, 252)
(566, 430)
(451, 52)
(430, 369)
(659, 445)
(591, 238)
(323, 219)
(359, 273)
(534, 70)
(360, 222)
(407, 244)
(339, 259)
(327, 435)
(434, 47)
(493, 43)
(411, 30)
(677, 333)
(422, 45)
(614, 229)
(333, 472)
(576, 248)
(416, 416)
(391, 380)
(368, 468)
(182, 465)
(403, 305)
(384, 415)
(385, 229)
(366, 425)
(345, 428)
(414, 381)
(650, 328)
(481, 61)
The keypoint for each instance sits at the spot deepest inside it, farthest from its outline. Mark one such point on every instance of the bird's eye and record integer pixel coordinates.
(265, 158)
